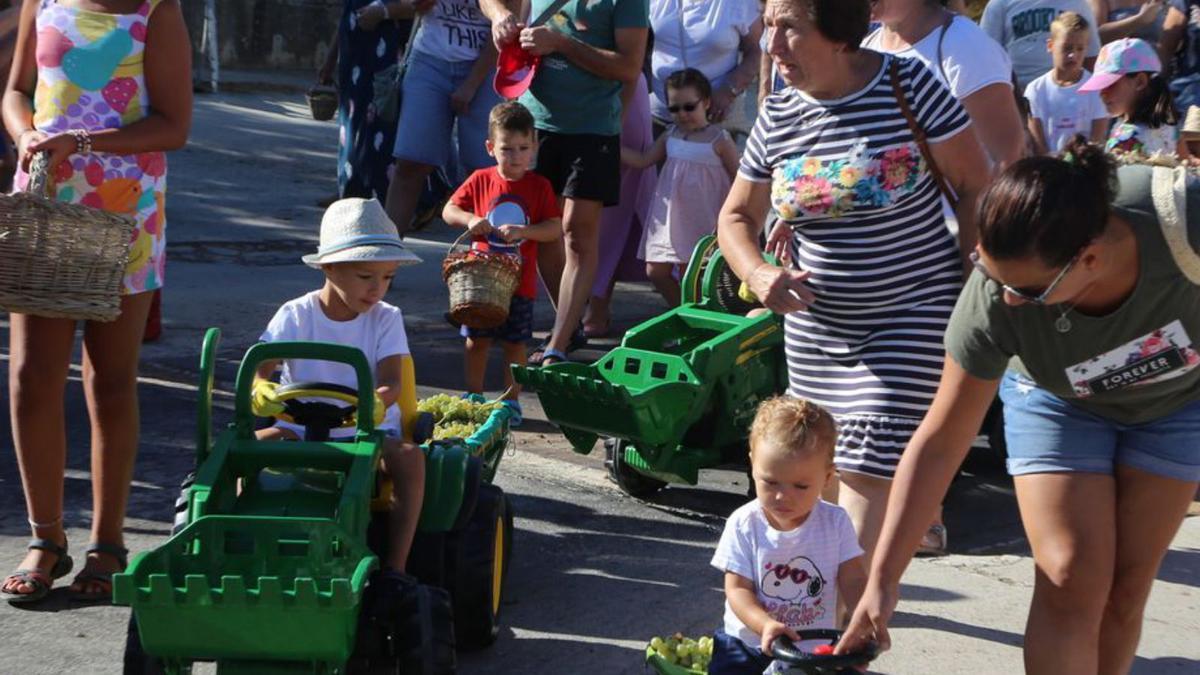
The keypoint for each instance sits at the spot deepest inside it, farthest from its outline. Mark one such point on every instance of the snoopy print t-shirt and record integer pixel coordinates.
(794, 572)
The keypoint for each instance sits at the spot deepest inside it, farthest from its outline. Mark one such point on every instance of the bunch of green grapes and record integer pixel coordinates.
(685, 652)
(455, 417)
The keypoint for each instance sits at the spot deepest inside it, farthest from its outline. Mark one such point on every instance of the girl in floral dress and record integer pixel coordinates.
(103, 87)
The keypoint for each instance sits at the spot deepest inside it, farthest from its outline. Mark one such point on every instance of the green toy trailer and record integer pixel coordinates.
(273, 563)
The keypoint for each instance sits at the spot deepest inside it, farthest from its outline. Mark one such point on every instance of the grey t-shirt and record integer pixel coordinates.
(1134, 365)
(1023, 26)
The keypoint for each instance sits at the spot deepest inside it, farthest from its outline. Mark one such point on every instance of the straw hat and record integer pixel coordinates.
(358, 230)
(1191, 125)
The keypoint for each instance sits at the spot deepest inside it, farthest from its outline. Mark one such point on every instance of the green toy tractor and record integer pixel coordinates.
(273, 563)
(680, 391)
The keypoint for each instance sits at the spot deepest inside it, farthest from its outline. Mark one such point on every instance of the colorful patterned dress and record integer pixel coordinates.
(90, 76)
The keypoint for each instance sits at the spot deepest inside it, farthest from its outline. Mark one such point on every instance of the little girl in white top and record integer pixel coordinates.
(701, 161)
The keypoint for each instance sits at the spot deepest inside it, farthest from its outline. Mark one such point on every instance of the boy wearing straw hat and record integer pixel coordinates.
(507, 206)
(359, 253)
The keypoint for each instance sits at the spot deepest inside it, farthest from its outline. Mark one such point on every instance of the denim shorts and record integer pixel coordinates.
(516, 329)
(427, 120)
(1046, 434)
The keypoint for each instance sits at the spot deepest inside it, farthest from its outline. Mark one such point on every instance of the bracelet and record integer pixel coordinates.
(83, 141)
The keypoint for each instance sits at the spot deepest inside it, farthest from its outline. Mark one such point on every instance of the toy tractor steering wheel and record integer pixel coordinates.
(317, 417)
(786, 652)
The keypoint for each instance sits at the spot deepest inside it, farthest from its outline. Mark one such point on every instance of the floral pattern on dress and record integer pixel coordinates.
(806, 187)
(90, 76)
(1142, 139)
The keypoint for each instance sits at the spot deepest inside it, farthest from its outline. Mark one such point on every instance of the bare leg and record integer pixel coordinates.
(475, 359)
(865, 499)
(405, 464)
(662, 275)
(581, 225)
(40, 353)
(110, 368)
(1070, 519)
(1149, 511)
(514, 354)
(551, 259)
(404, 192)
(598, 316)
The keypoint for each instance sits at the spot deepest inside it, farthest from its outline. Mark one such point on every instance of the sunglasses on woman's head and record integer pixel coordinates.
(1034, 296)
(686, 107)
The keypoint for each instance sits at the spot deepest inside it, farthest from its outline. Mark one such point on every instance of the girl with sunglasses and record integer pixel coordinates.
(701, 161)
(1083, 311)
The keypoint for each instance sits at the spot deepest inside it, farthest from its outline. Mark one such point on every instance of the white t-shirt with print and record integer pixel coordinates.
(378, 332)
(454, 30)
(970, 59)
(1023, 26)
(707, 37)
(1064, 111)
(794, 572)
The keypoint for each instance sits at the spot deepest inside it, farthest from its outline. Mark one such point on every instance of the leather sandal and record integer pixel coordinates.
(88, 577)
(39, 580)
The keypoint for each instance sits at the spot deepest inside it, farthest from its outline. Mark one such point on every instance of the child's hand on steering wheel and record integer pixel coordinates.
(263, 400)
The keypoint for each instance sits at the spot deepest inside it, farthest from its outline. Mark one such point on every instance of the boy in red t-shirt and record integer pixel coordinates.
(526, 211)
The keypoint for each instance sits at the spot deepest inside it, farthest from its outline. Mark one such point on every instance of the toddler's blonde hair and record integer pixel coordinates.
(795, 426)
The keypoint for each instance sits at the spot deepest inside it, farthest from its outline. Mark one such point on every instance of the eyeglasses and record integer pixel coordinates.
(686, 107)
(1033, 296)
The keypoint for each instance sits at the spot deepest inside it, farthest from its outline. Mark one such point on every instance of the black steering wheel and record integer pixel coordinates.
(786, 652)
(318, 417)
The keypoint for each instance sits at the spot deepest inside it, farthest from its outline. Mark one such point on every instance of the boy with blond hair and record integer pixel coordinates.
(1058, 109)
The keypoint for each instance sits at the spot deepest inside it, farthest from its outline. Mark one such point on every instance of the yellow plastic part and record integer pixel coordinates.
(407, 400)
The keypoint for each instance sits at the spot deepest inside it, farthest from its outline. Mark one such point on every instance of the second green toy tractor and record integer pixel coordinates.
(679, 393)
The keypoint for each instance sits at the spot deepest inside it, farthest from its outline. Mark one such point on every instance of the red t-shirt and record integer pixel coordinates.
(486, 188)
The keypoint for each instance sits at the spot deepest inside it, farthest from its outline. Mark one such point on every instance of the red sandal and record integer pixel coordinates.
(39, 580)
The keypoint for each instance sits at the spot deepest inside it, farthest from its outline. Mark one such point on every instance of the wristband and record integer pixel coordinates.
(83, 141)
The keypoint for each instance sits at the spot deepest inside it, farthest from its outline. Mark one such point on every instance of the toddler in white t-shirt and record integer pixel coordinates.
(1058, 109)
(787, 555)
(359, 253)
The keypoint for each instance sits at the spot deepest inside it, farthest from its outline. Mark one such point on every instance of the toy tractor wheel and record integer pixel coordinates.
(405, 628)
(181, 503)
(477, 566)
(626, 477)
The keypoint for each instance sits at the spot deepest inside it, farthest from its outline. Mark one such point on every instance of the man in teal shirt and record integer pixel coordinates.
(589, 50)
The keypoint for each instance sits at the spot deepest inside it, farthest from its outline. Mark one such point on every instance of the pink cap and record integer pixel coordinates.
(1120, 58)
(515, 69)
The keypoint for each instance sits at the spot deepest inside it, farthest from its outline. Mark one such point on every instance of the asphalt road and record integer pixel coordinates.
(595, 573)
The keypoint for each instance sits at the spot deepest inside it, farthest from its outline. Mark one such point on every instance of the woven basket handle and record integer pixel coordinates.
(39, 175)
(457, 242)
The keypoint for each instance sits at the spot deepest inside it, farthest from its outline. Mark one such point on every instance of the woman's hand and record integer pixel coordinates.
(870, 619)
(773, 630)
(506, 31)
(59, 146)
(722, 99)
(372, 15)
(460, 99)
(24, 141)
(780, 290)
(541, 40)
(779, 243)
(1150, 11)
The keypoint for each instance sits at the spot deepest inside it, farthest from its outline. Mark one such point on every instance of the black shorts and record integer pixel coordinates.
(581, 166)
(516, 329)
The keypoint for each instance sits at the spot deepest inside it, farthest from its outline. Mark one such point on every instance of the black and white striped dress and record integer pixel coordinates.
(866, 215)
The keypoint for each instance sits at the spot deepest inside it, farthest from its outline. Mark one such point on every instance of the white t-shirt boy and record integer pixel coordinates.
(1023, 26)
(378, 332)
(1064, 111)
(794, 572)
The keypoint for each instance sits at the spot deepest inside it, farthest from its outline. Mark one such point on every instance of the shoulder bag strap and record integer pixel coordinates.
(919, 133)
(942, 38)
(1168, 191)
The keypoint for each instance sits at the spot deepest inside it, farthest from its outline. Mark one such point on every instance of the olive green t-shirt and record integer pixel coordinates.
(567, 99)
(1134, 365)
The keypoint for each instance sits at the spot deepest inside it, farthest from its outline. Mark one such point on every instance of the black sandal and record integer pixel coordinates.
(41, 581)
(87, 576)
(578, 341)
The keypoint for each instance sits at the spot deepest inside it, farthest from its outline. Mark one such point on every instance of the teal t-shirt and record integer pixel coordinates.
(1135, 365)
(567, 99)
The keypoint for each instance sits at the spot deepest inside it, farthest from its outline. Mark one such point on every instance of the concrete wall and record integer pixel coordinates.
(268, 34)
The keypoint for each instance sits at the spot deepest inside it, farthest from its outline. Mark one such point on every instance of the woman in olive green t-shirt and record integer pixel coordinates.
(1078, 296)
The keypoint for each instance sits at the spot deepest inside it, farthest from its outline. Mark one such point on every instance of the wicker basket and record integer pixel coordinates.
(323, 102)
(60, 260)
(481, 285)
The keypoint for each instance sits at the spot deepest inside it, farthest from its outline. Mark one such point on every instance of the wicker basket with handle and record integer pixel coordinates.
(322, 102)
(481, 285)
(60, 260)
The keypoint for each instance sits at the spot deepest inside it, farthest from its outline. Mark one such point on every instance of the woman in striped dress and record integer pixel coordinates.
(876, 272)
